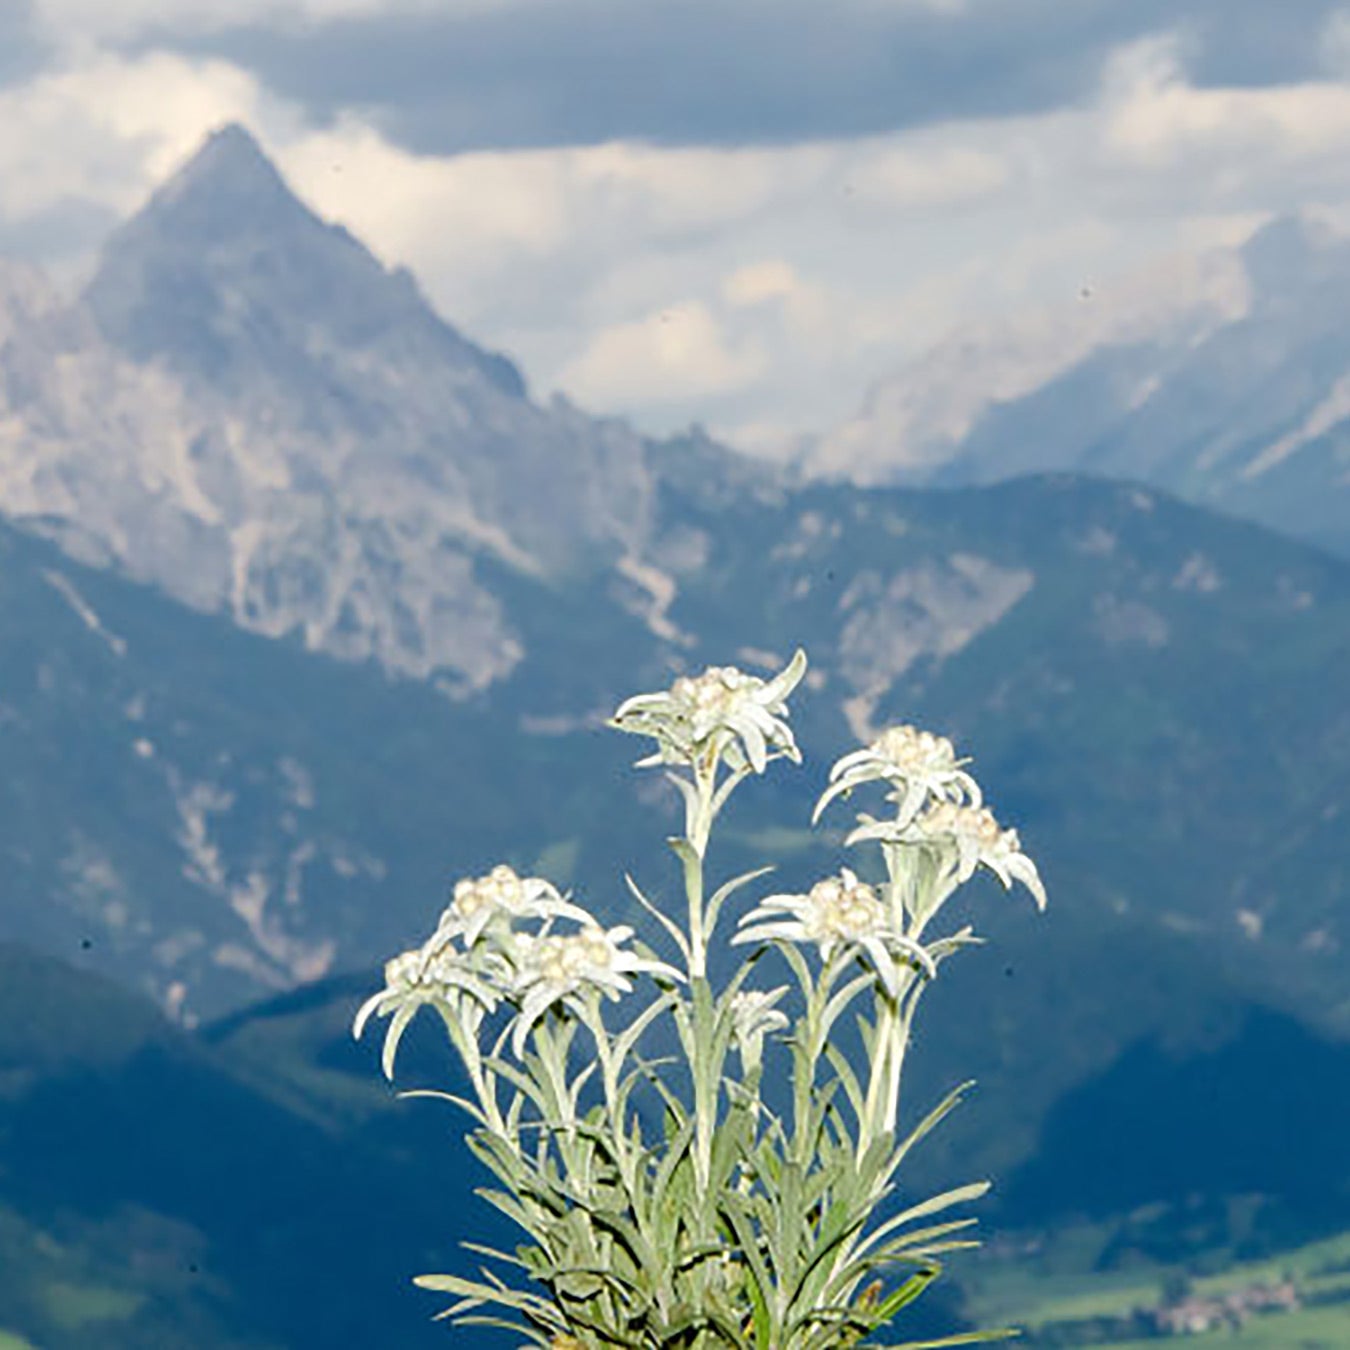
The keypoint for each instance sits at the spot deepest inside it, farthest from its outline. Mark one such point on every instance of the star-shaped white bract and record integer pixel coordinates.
(839, 912)
(433, 975)
(753, 1015)
(918, 765)
(723, 712)
(502, 897)
(566, 968)
(969, 837)
(468, 965)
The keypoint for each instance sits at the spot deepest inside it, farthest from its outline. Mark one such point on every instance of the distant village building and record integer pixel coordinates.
(1198, 1313)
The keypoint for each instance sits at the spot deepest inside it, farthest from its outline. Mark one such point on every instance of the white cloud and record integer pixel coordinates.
(480, 210)
(908, 176)
(672, 355)
(757, 283)
(1156, 117)
(1335, 44)
(484, 214)
(106, 129)
(942, 6)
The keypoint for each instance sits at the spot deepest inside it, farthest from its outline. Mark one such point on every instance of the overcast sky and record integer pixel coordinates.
(737, 212)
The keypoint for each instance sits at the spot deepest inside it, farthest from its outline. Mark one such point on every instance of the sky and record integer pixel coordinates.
(739, 213)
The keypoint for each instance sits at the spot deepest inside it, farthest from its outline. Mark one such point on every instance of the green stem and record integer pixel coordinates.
(905, 1006)
(880, 1079)
(806, 1057)
(705, 1092)
(705, 776)
(484, 1082)
(553, 1058)
(895, 1063)
(609, 1077)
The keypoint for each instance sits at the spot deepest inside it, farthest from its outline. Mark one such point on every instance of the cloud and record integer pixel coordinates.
(589, 233)
(672, 72)
(23, 49)
(907, 176)
(59, 236)
(86, 23)
(758, 283)
(669, 356)
(1157, 116)
(492, 74)
(103, 130)
(1334, 44)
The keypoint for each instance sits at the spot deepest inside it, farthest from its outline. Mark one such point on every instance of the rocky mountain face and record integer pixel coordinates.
(1151, 692)
(247, 410)
(1152, 695)
(209, 815)
(1224, 378)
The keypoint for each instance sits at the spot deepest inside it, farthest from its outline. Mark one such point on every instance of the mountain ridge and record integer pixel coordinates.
(256, 416)
(1223, 377)
(226, 207)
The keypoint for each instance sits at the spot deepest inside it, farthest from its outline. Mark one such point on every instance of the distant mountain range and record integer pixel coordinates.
(1222, 377)
(247, 410)
(308, 610)
(211, 815)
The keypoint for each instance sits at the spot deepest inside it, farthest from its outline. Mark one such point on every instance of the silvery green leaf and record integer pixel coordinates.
(728, 889)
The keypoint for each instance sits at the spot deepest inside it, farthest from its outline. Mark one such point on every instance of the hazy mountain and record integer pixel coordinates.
(208, 814)
(1152, 694)
(249, 414)
(249, 411)
(1224, 378)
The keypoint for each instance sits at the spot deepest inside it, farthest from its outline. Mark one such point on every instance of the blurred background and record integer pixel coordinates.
(389, 388)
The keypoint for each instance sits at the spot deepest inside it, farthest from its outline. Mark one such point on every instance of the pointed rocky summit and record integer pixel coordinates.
(227, 179)
(228, 278)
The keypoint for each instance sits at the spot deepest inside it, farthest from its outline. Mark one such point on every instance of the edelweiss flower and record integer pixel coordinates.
(556, 968)
(501, 894)
(753, 1015)
(969, 833)
(721, 712)
(839, 911)
(918, 764)
(434, 974)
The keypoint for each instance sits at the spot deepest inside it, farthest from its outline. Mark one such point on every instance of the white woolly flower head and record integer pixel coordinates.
(969, 837)
(567, 968)
(462, 986)
(498, 899)
(839, 912)
(753, 1015)
(721, 713)
(469, 964)
(919, 766)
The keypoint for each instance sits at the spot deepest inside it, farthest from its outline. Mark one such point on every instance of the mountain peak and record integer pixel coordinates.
(229, 161)
(229, 148)
(227, 185)
(229, 278)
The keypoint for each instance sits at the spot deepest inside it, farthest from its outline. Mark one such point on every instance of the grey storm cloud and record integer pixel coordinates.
(739, 72)
(22, 51)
